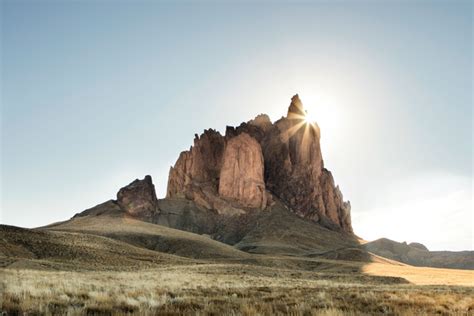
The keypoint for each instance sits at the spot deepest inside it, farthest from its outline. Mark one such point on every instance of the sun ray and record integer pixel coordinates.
(292, 130)
(305, 142)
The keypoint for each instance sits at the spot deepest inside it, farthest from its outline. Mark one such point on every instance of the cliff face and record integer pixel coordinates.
(241, 176)
(199, 166)
(249, 166)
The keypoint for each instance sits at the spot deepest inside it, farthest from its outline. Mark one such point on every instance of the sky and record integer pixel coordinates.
(95, 94)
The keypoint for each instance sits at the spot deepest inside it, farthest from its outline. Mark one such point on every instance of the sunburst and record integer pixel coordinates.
(310, 132)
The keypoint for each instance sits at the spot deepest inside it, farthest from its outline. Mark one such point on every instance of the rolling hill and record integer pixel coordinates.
(420, 256)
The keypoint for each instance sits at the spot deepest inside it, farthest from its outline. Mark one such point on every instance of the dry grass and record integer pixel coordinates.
(422, 275)
(121, 266)
(222, 289)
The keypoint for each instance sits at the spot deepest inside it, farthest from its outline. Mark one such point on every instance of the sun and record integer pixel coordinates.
(310, 117)
(322, 110)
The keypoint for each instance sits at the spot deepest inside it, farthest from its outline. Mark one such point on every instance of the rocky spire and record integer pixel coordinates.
(296, 109)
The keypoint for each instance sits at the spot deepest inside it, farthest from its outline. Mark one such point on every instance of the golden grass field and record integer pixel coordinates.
(235, 289)
(118, 266)
(422, 275)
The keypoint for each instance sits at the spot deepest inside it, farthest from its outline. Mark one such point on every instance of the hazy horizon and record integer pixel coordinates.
(97, 94)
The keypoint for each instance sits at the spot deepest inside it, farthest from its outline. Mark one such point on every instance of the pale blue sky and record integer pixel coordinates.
(98, 93)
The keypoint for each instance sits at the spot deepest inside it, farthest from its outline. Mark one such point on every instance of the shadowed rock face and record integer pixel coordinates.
(200, 165)
(196, 174)
(223, 172)
(138, 198)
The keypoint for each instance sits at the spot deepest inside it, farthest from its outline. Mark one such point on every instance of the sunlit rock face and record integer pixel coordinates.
(224, 172)
(241, 176)
(138, 198)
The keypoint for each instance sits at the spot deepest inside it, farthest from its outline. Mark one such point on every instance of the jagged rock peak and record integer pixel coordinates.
(139, 197)
(296, 109)
(262, 121)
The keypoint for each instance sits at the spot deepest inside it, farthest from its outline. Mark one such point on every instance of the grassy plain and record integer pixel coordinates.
(116, 265)
(232, 289)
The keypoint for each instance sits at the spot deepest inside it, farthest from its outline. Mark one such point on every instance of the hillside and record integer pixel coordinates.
(141, 234)
(273, 244)
(45, 249)
(276, 231)
(418, 255)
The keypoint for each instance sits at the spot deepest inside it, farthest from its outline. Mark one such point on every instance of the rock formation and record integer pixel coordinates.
(224, 172)
(138, 198)
(241, 176)
(296, 109)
